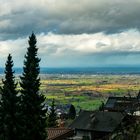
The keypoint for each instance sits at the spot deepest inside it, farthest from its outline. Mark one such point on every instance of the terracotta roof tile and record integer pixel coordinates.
(57, 133)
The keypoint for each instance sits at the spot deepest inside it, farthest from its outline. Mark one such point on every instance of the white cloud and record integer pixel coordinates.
(15, 47)
(127, 41)
(59, 50)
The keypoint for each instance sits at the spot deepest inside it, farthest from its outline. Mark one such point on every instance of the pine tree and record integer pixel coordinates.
(72, 112)
(52, 117)
(9, 105)
(32, 102)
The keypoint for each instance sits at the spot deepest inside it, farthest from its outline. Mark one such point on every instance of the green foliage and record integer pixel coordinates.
(85, 138)
(32, 102)
(72, 112)
(10, 116)
(52, 117)
(101, 107)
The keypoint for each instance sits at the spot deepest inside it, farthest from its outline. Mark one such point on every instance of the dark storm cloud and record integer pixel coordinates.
(19, 18)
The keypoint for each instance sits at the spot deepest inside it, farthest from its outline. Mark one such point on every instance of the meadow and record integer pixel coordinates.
(87, 91)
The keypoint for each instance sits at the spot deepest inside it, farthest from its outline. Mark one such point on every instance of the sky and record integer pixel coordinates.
(72, 33)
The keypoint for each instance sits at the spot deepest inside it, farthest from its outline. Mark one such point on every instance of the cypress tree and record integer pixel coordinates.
(9, 105)
(52, 117)
(32, 101)
(72, 112)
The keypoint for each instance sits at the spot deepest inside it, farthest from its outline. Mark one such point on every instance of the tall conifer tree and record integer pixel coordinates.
(72, 112)
(34, 112)
(9, 105)
(52, 117)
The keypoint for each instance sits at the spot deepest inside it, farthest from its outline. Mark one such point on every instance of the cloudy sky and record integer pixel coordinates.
(72, 33)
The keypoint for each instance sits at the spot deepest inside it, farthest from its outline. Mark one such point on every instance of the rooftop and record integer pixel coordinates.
(121, 103)
(97, 121)
(59, 133)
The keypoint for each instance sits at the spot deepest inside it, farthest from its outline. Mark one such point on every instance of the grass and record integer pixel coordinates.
(87, 92)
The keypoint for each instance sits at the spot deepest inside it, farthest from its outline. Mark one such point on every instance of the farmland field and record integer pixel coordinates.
(87, 91)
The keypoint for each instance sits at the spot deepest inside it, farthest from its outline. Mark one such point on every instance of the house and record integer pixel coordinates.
(59, 133)
(96, 124)
(122, 104)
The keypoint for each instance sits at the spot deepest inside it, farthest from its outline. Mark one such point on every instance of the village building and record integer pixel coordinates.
(128, 105)
(95, 125)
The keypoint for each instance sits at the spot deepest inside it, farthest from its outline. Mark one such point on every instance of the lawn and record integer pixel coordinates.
(88, 91)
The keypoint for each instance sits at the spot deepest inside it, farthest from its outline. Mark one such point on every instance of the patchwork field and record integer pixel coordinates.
(87, 91)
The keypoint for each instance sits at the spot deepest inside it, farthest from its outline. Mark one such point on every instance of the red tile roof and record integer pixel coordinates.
(59, 133)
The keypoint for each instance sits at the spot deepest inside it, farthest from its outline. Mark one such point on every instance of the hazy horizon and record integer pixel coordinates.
(84, 70)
